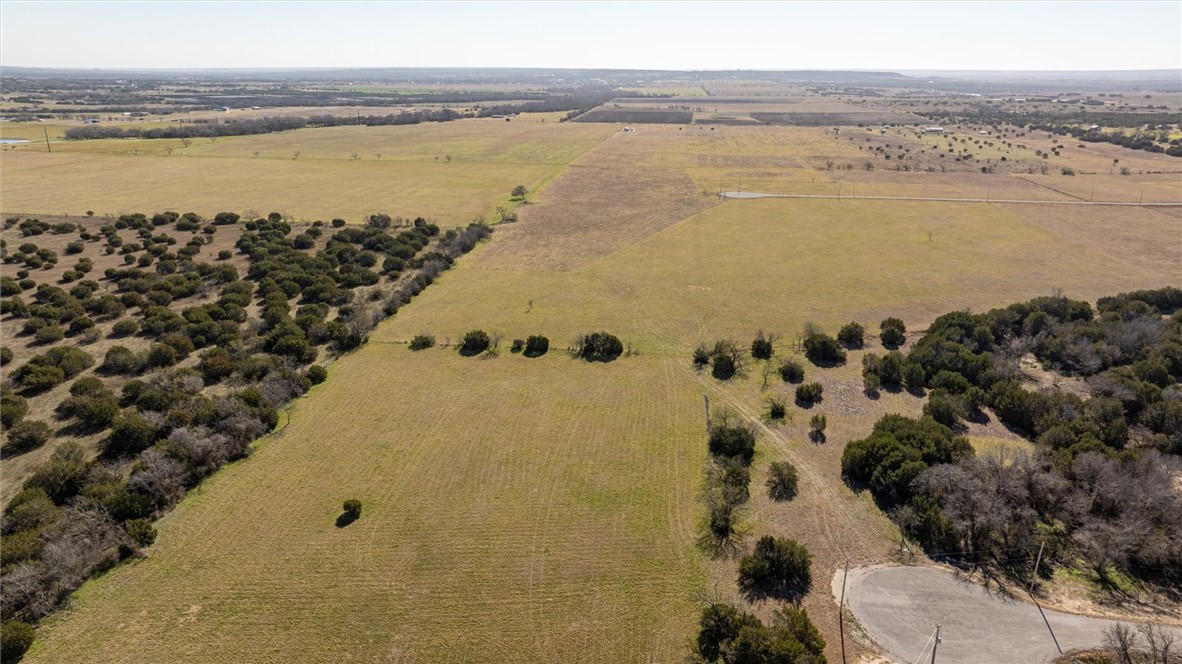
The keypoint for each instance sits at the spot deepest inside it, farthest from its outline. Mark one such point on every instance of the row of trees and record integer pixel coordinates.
(243, 127)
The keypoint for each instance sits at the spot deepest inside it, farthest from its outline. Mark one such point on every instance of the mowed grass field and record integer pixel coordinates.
(412, 177)
(514, 510)
(546, 510)
(774, 264)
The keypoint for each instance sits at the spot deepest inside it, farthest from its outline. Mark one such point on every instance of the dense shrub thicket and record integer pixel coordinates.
(1098, 487)
(164, 431)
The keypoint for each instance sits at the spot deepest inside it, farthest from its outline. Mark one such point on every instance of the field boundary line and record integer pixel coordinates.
(743, 195)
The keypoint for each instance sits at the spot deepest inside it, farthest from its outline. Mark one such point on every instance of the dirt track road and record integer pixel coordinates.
(899, 607)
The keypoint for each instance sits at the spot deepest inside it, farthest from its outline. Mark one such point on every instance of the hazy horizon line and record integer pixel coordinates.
(889, 70)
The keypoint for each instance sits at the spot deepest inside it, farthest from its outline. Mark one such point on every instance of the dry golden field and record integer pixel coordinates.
(545, 509)
(308, 174)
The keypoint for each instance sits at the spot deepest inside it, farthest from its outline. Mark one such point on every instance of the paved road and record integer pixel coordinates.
(753, 194)
(899, 607)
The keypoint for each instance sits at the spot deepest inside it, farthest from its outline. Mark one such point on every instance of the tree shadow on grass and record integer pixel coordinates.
(346, 518)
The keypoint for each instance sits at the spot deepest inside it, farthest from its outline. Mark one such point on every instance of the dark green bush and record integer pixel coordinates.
(728, 440)
(12, 407)
(536, 345)
(316, 374)
(124, 328)
(777, 566)
(474, 342)
(781, 480)
(851, 335)
(791, 371)
(141, 531)
(422, 342)
(762, 347)
(823, 349)
(776, 409)
(892, 332)
(15, 639)
(809, 393)
(28, 435)
(121, 361)
(600, 347)
(50, 333)
(35, 378)
(130, 435)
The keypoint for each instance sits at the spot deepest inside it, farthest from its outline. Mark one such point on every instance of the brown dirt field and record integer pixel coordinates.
(606, 199)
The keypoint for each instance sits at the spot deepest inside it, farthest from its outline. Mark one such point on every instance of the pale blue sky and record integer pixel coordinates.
(664, 35)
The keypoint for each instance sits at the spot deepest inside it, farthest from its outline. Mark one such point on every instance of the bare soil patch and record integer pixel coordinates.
(608, 198)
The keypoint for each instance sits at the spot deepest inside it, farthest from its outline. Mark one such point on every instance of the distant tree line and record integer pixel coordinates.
(242, 127)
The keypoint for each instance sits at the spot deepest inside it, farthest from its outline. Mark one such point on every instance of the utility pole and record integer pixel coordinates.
(1034, 576)
(935, 643)
(1030, 591)
(47, 146)
(841, 610)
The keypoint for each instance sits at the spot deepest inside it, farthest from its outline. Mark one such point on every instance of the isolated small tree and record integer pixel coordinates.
(823, 349)
(791, 371)
(732, 440)
(776, 409)
(892, 332)
(422, 342)
(851, 335)
(536, 345)
(722, 367)
(817, 424)
(781, 480)
(809, 393)
(726, 359)
(776, 566)
(351, 512)
(762, 348)
(701, 356)
(475, 342)
(600, 347)
(519, 192)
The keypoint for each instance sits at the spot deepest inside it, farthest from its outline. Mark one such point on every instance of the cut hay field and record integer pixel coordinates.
(412, 177)
(776, 263)
(514, 510)
(546, 510)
